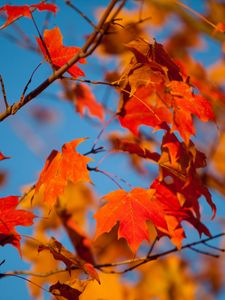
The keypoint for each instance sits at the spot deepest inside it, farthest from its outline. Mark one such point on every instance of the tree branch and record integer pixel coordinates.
(137, 262)
(88, 48)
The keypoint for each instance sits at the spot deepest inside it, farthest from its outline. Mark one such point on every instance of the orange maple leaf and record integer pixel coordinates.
(59, 54)
(59, 169)
(86, 100)
(132, 209)
(11, 217)
(140, 110)
(14, 12)
(185, 104)
(175, 104)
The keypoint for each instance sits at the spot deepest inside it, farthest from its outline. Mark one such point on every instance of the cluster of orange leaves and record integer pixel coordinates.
(155, 92)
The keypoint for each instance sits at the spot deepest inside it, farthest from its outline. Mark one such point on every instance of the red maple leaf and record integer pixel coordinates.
(173, 103)
(59, 54)
(59, 169)
(84, 99)
(11, 217)
(140, 109)
(185, 104)
(178, 165)
(14, 12)
(132, 209)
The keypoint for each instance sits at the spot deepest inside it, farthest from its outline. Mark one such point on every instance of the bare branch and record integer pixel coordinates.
(29, 81)
(70, 4)
(204, 252)
(137, 262)
(4, 92)
(140, 261)
(114, 84)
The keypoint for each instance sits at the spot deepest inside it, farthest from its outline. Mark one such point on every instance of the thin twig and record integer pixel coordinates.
(2, 275)
(203, 252)
(107, 174)
(137, 261)
(144, 260)
(42, 41)
(194, 12)
(95, 151)
(70, 4)
(114, 84)
(29, 81)
(152, 247)
(4, 92)
(214, 247)
(102, 130)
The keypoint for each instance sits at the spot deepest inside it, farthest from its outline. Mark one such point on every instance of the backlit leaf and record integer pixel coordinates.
(59, 53)
(59, 169)
(14, 12)
(11, 217)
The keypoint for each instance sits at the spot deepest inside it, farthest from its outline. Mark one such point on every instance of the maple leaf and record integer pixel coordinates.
(146, 52)
(174, 104)
(133, 147)
(11, 217)
(59, 54)
(185, 104)
(132, 209)
(178, 164)
(140, 109)
(61, 253)
(80, 241)
(69, 290)
(14, 12)
(153, 92)
(84, 99)
(59, 169)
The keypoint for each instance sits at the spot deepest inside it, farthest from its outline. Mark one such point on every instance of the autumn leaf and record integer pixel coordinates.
(175, 104)
(59, 252)
(179, 164)
(59, 169)
(153, 92)
(59, 54)
(14, 12)
(11, 217)
(174, 273)
(69, 290)
(185, 104)
(146, 52)
(80, 241)
(144, 108)
(85, 99)
(132, 209)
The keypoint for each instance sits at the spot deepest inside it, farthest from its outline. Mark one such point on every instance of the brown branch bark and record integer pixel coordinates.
(88, 48)
(136, 262)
